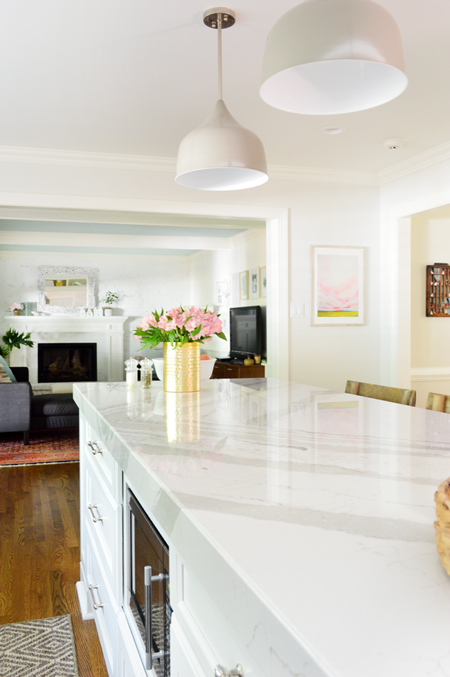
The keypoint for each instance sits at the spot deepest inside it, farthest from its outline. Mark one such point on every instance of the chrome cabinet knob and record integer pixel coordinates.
(221, 672)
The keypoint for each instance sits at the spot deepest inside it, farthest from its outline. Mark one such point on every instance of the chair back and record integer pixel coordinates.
(437, 402)
(398, 395)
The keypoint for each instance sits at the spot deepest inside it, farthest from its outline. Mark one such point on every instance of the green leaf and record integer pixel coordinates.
(222, 336)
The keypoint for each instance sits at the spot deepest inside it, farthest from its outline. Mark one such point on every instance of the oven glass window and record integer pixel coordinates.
(148, 549)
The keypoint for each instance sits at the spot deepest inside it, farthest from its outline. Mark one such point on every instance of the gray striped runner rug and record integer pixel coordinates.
(43, 648)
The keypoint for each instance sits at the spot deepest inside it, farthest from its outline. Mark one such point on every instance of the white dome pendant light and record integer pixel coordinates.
(221, 154)
(333, 56)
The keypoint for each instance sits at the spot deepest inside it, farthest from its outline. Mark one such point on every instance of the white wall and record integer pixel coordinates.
(410, 194)
(144, 282)
(211, 267)
(430, 336)
(320, 213)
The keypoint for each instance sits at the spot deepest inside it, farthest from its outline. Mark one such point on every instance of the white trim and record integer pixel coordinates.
(164, 165)
(414, 164)
(277, 237)
(86, 240)
(321, 175)
(247, 235)
(277, 261)
(427, 374)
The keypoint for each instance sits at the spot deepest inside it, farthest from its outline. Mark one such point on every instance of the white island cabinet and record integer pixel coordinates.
(299, 523)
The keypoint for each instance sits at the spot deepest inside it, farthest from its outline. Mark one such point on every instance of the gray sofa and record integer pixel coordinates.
(21, 411)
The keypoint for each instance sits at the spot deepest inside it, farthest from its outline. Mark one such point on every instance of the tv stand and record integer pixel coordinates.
(234, 368)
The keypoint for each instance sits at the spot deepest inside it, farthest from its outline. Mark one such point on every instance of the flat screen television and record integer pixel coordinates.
(247, 332)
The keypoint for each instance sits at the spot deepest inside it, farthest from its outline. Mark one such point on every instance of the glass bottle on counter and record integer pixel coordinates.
(131, 372)
(146, 372)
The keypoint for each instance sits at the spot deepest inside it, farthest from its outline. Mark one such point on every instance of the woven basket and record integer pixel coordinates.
(442, 525)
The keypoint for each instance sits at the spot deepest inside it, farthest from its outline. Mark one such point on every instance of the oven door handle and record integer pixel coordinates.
(148, 580)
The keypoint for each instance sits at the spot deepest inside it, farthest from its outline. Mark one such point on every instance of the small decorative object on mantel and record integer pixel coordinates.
(110, 299)
(131, 372)
(438, 290)
(248, 362)
(98, 312)
(257, 359)
(181, 331)
(442, 525)
(16, 308)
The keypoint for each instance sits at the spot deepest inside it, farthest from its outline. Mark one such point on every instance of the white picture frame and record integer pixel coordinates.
(263, 282)
(70, 279)
(219, 294)
(253, 283)
(243, 285)
(234, 289)
(337, 286)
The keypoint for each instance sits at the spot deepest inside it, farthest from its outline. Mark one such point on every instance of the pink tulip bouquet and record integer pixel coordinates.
(179, 326)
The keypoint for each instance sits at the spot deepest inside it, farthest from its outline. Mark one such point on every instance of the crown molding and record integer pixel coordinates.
(68, 158)
(164, 165)
(414, 164)
(287, 173)
(38, 156)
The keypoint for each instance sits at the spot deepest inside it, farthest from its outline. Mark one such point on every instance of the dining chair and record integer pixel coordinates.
(437, 402)
(398, 395)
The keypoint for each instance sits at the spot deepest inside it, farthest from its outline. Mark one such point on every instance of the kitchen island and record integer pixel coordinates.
(302, 520)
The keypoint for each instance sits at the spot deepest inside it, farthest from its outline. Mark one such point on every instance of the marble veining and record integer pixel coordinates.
(314, 509)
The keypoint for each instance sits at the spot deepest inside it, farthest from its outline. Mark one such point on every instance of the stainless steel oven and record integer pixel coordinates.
(147, 588)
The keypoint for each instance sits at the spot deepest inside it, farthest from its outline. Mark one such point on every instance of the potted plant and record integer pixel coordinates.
(12, 339)
(181, 331)
(16, 308)
(110, 299)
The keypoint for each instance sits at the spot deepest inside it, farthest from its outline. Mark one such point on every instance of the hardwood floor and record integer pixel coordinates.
(40, 553)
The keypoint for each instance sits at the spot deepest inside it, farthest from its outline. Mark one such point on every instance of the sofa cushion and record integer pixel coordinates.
(53, 404)
(6, 375)
(46, 422)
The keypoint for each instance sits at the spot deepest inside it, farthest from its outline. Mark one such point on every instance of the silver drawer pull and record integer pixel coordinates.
(94, 603)
(95, 518)
(94, 448)
(221, 672)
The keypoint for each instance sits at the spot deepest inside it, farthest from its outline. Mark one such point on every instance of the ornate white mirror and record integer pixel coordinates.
(65, 290)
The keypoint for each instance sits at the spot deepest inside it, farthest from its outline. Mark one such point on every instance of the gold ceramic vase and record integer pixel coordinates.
(182, 368)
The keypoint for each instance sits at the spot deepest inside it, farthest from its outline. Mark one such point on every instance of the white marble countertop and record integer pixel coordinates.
(320, 503)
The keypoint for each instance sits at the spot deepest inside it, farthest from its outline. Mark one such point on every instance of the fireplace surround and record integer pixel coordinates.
(108, 332)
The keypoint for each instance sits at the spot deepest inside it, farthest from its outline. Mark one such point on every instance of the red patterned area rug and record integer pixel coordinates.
(46, 446)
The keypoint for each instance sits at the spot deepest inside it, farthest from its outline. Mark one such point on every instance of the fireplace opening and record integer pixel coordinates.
(67, 362)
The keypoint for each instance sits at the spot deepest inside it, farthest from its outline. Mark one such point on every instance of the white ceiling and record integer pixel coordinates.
(135, 76)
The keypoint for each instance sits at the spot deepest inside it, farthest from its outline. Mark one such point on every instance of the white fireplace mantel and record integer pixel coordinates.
(111, 327)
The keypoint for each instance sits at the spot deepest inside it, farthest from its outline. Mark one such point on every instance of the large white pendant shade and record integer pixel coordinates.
(221, 155)
(333, 56)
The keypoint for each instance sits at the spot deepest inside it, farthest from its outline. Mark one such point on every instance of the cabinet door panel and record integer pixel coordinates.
(102, 517)
(103, 461)
(183, 662)
(128, 661)
(106, 611)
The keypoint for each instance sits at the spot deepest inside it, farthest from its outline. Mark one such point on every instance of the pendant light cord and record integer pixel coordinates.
(219, 39)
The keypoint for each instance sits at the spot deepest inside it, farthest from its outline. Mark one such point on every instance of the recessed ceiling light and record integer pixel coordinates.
(333, 130)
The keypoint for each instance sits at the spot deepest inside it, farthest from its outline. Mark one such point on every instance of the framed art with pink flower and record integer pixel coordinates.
(337, 286)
